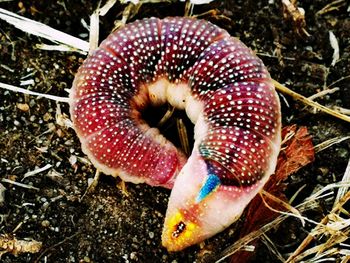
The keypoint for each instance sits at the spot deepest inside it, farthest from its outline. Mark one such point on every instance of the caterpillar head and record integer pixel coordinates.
(201, 205)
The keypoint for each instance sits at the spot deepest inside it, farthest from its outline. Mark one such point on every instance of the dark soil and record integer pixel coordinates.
(108, 225)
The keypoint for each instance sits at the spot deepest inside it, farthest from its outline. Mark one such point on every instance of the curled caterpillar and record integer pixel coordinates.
(226, 92)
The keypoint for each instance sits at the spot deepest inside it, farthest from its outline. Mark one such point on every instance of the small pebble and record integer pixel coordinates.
(87, 259)
(17, 123)
(45, 223)
(151, 235)
(23, 106)
(47, 116)
(133, 255)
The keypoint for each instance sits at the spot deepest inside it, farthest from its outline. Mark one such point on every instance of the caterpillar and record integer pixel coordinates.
(225, 90)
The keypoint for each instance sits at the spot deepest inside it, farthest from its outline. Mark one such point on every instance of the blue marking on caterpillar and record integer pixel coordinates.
(210, 184)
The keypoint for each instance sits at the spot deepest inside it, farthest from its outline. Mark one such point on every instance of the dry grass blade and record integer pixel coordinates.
(244, 241)
(321, 193)
(324, 145)
(272, 247)
(95, 23)
(42, 30)
(337, 81)
(309, 102)
(342, 110)
(183, 136)
(320, 257)
(94, 30)
(166, 116)
(296, 254)
(4, 180)
(25, 91)
(188, 9)
(281, 203)
(308, 204)
(129, 11)
(324, 250)
(323, 93)
(36, 171)
(343, 190)
(346, 258)
(334, 5)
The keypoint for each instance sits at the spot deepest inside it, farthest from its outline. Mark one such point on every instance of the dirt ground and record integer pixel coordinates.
(107, 225)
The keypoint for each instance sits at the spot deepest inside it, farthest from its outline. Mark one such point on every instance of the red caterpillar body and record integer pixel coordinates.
(225, 90)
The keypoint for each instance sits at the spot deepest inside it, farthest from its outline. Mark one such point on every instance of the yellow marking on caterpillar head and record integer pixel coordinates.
(179, 231)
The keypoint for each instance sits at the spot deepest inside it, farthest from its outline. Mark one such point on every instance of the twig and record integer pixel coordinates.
(338, 80)
(309, 102)
(54, 246)
(346, 259)
(273, 56)
(2, 195)
(19, 225)
(92, 184)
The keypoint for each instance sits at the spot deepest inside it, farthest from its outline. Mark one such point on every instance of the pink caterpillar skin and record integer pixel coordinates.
(225, 90)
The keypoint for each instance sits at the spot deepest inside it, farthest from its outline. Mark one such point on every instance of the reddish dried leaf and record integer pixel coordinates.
(297, 151)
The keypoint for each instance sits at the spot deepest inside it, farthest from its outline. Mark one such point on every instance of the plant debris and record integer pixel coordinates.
(10, 244)
(297, 151)
(297, 15)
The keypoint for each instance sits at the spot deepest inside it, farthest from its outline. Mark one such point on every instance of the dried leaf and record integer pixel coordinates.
(296, 152)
